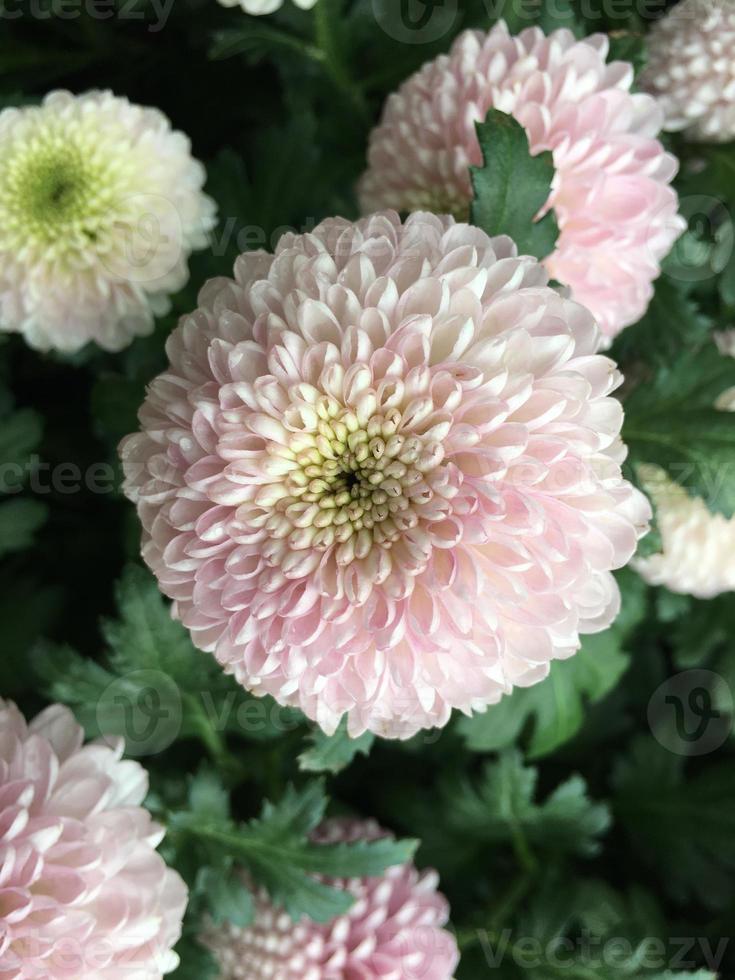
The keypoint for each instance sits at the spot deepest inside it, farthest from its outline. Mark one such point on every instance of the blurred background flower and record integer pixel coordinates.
(691, 70)
(100, 205)
(393, 929)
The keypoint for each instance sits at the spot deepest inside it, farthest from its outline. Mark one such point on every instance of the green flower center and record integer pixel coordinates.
(53, 189)
(57, 195)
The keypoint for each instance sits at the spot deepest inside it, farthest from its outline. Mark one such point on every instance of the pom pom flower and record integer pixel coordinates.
(83, 893)
(616, 213)
(393, 930)
(691, 69)
(381, 475)
(101, 204)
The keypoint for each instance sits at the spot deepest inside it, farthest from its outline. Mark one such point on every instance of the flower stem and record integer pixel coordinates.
(215, 744)
(493, 923)
(523, 852)
(507, 903)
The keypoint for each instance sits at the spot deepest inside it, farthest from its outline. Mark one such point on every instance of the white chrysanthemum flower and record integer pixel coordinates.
(101, 204)
(691, 69)
(698, 554)
(260, 7)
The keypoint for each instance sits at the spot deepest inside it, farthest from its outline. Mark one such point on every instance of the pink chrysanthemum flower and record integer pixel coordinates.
(691, 69)
(392, 931)
(616, 214)
(381, 475)
(83, 893)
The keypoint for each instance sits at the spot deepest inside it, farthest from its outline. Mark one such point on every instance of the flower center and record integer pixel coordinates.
(54, 192)
(354, 485)
(52, 189)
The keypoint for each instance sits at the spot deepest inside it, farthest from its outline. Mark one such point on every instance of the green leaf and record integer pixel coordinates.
(73, 680)
(701, 636)
(512, 186)
(19, 521)
(501, 805)
(256, 40)
(361, 858)
(145, 635)
(277, 852)
(152, 686)
(258, 198)
(683, 828)
(694, 447)
(693, 382)
(20, 435)
(333, 753)
(208, 797)
(228, 897)
(686, 975)
(581, 929)
(671, 326)
(556, 705)
(670, 418)
(727, 282)
(298, 812)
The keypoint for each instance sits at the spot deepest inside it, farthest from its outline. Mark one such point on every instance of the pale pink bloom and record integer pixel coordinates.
(691, 69)
(616, 212)
(83, 893)
(393, 931)
(381, 475)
